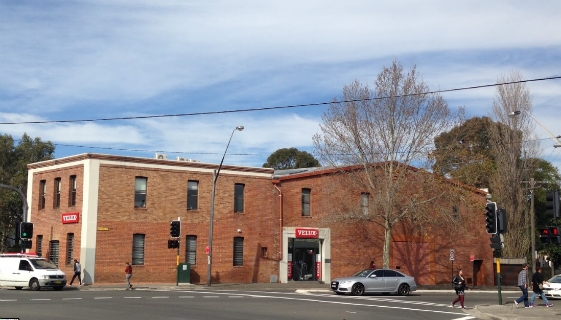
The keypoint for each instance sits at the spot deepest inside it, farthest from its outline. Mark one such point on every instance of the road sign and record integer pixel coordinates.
(451, 254)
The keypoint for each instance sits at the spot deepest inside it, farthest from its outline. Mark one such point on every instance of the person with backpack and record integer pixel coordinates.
(460, 286)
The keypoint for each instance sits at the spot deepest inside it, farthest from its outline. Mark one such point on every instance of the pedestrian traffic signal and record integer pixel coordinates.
(496, 243)
(26, 230)
(491, 217)
(175, 229)
(173, 244)
(554, 235)
(552, 204)
(26, 244)
(544, 235)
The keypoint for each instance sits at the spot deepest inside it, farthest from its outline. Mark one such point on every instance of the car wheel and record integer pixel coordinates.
(19, 288)
(404, 289)
(34, 285)
(358, 289)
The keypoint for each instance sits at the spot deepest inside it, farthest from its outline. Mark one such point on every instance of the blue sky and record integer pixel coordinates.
(64, 60)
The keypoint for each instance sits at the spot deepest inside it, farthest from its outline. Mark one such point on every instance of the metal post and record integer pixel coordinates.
(532, 225)
(499, 280)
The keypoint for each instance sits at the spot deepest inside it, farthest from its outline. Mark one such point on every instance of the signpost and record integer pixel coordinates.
(452, 259)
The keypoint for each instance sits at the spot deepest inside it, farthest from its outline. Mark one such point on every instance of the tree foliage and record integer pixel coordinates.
(385, 130)
(290, 158)
(464, 153)
(14, 159)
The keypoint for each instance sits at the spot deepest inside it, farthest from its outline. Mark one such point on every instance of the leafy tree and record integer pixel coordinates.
(463, 153)
(290, 158)
(13, 172)
(385, 130)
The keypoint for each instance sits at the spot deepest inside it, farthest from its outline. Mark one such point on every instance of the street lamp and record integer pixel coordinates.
(516, 113)
(216, 173)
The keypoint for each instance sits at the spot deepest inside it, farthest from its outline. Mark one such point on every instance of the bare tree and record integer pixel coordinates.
(385, 131)
(514, 145)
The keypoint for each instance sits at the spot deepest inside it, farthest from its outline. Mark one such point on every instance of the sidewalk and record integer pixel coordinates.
(507, 311)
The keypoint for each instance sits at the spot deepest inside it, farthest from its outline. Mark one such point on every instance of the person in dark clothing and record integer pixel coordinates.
(537, 279)
(372, 265)
(77, 272)
(460, 286)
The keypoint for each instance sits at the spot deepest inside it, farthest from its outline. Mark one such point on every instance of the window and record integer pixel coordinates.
(238, 197)
(39, 250)
(42, 192)
(53, 251)
(140, 192)
(306, 202)
(138, 249)
(56, 197)
(191, 250)
(72, 195)
(69, 248)
(192, 195)
(25, 266)
(238, 251)
(364, 199)
(264, 252)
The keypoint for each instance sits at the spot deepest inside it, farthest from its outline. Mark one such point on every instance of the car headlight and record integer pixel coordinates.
(45, 277)
(345, 282)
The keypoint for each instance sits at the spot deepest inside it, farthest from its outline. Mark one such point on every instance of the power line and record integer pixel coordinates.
(280, 107)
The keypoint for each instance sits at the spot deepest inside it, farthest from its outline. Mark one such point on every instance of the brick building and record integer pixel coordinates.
(106, 210)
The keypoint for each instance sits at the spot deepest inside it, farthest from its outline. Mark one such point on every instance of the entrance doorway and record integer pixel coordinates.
(303, 257)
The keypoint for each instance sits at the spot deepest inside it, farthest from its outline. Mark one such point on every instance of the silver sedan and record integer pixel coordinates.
(375, 280)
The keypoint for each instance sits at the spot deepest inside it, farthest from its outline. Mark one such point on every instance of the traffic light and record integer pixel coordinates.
(175, 229)
(552, 204)
(496, 243)
(26, 230)
(26, 244)
(491, 217)
(554, 235)
(502, 222)
(544, 235)
(173, 244)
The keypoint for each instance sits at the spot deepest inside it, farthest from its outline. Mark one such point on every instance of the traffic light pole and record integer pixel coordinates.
(532, 183)
(499, 280)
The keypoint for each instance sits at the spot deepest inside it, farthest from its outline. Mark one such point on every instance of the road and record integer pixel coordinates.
(223, 304)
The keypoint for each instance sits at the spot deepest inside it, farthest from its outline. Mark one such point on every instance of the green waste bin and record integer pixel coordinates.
(184, 273)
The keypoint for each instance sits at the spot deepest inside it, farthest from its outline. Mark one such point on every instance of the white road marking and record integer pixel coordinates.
(71, 298)
(40, 299)
(132, 297)
(98, 298)
(160, 297)
(9, 300)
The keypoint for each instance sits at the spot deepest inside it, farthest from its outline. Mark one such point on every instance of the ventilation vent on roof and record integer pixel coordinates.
(186, 159)
(161, 156)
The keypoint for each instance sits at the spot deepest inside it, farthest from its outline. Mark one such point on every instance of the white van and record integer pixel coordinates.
(26, 270)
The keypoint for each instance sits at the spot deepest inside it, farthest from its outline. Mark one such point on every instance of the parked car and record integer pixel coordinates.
(554, 289)
(27, 270)
(375, 280)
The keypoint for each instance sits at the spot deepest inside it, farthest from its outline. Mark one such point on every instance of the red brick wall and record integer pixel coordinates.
(48, 221)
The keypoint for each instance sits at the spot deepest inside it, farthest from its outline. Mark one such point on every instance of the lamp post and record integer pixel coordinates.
(532, 183)
(215, 177)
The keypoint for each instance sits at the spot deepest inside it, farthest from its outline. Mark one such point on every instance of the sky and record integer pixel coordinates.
(92, 59)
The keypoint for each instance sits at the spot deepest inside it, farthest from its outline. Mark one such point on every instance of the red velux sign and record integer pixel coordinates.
(70, 217)
(307, 233)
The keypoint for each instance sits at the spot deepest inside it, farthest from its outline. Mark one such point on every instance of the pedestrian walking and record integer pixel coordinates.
(460, 286)
(537, 280)
(523, 285)
(128, 274)
(77, 272)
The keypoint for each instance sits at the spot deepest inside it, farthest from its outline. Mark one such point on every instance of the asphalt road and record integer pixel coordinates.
(223, 304)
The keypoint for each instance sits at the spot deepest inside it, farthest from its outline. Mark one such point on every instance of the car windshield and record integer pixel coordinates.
(363, 273)
(43, 264)
(556, 279)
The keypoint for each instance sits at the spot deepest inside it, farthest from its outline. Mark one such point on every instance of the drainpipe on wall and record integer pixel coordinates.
(280, 221)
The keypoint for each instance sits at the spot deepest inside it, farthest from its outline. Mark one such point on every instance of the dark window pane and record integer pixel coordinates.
(306, 202)
(140, 192)
(138, 249)
(192, 195)
(191, 250)
(238, 251)
(239, 197)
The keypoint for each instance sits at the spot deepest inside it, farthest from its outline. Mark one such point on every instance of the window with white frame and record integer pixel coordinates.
(306, 194)
(56, 197)
(72, 192)
(140, 192)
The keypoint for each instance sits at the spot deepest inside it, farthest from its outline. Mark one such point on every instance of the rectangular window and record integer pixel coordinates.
(39, 245)
(138, 249)
(364, 199)
(140, 192)
(72, 192)
(69, 248)
(53, 251)
(238, 197)
(306, 202)
(191, 250)
(238, 251)
(192, 195)
(42, 193)
(56, 197)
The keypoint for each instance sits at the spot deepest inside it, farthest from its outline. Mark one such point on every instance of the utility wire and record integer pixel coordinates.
(281, 107)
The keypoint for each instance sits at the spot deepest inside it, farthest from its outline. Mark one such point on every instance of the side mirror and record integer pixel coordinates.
(372, 276)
